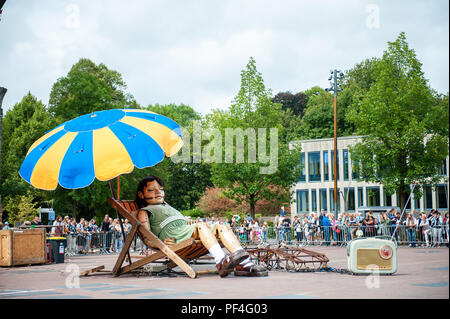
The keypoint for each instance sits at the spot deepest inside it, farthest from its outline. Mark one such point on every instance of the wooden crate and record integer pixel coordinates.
(22, 247)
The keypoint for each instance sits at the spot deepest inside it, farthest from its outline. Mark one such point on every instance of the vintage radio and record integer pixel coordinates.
(372, 255)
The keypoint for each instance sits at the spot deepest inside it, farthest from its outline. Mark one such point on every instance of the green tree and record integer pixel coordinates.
(87, 88)
(21, 208)
(253, 109)
(27, 121)
(185, 181)
(403, 123)
(295, 102)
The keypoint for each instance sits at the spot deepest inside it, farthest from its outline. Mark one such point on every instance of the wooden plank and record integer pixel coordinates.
(148, 259)
(90, 271)
(151, 240)
(125, 251)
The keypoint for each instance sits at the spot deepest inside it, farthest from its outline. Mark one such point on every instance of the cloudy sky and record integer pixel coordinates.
(192, 51)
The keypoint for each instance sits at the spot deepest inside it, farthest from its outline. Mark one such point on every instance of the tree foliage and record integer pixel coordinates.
(251, 109)
(404, 136)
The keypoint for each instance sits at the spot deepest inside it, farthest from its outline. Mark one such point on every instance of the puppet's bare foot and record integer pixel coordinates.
(250, 271)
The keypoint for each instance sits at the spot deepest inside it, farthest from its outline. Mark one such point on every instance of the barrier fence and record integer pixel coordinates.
(341, 235)
(112, 241)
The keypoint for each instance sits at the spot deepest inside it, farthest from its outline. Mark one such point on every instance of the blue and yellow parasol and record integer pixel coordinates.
(100, 145)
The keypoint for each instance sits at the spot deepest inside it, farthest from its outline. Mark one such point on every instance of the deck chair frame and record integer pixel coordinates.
(178, 254)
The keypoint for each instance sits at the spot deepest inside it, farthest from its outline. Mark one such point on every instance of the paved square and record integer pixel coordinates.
(422, 273)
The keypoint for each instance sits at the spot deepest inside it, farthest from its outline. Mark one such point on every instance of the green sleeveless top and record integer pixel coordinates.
(166, 221)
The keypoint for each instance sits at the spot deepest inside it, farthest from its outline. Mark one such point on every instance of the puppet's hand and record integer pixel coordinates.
(169, 241)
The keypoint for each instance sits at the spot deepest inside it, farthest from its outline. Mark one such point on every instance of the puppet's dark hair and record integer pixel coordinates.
(150, 178)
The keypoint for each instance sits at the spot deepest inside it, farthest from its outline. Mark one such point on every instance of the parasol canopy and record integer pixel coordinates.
(102, 145)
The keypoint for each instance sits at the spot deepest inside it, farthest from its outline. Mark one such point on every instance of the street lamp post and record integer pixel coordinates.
(334, 86)
(2, 95)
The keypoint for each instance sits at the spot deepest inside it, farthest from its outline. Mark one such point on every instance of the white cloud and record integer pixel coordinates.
(192, 52)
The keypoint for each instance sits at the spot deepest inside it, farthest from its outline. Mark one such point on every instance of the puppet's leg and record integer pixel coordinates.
(227, 237)
(225, 263)
(229, 240)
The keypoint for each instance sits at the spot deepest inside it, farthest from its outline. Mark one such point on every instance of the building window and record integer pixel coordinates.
(427, 197)
(302, 201)
(314, 200)
(325, 166)
(323, 199)
(345, 156)
(314, 166)
(360, 197)
(332, 203)
(416, 202)
(443, 169)
(387, 198)
(349, 195)
(355, 170)
(302, 168)
(373, 196)
(442, 196)
(332, 164)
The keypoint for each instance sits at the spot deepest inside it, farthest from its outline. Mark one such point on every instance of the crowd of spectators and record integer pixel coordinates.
(428, 229)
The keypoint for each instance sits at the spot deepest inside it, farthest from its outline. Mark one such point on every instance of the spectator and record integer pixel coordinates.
(57, 230)
(106, 235)
(117, 236)
(425, 229)
(72, 237)
(411, 226)
(36, 221)
(282, 212)
(307, 230)
(445, 224)
(335, 230)
(352, 225)
(326, 229)
(298, 230)
(285, 226)
(276, 222)
(6, 225)
(254, 233)
(27, 224)
(436, 228)
(264, 230)
(369, 225)
(81, 236)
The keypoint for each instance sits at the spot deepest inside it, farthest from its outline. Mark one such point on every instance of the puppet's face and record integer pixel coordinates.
(153, 193)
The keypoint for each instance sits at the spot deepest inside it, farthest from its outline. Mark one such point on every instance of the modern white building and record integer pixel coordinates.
(315, 188)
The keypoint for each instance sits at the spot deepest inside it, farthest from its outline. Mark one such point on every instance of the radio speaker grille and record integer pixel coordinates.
(369, 259)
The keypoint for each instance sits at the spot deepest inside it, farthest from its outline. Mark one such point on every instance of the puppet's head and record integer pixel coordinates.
(150, 191)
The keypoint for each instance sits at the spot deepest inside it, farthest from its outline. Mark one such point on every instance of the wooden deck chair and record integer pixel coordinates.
(179, 254)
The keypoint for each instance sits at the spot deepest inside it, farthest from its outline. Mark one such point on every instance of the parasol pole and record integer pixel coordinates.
(117, 211)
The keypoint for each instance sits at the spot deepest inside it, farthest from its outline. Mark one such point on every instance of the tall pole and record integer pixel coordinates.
(335, 76)
(336, 198)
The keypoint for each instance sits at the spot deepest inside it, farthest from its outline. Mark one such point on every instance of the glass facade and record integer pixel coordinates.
(373, 196)
(323, 199)
(332, 165)
(314, 200)
(345, 158)
(360, 197)
(302, 168)
(387, 198)
(314, 166)
(302, 201)
(349, 195)
(325, 166)
(441, 196)
(332, 203)
(427, 197)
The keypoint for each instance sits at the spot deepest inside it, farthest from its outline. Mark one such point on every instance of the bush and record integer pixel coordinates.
(194, 213)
